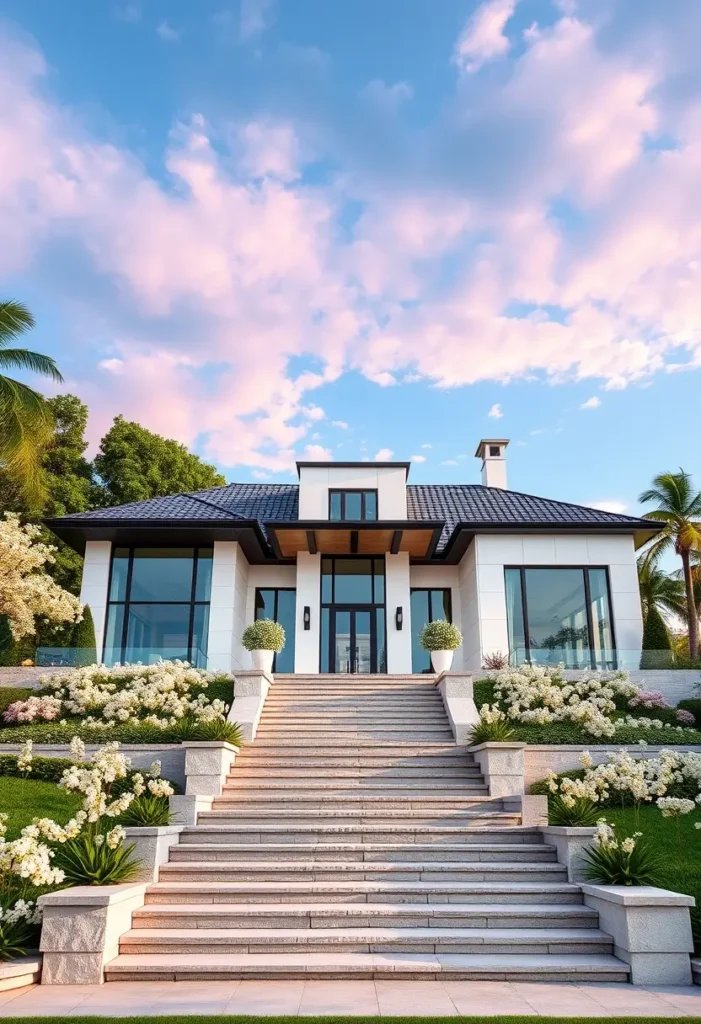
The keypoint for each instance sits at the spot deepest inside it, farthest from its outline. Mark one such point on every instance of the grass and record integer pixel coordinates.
(25, 799)
(679, 850)
(568, 733)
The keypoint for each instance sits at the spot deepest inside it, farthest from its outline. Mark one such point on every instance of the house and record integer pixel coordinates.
(353, 561)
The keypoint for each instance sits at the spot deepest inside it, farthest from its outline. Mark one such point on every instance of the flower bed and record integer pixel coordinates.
(543, 707)
(130, 703)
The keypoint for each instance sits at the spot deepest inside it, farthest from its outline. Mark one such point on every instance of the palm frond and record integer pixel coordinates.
(24, 359)
(15, 320)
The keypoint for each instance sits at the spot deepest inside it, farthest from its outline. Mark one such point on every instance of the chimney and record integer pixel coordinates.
(492, 453)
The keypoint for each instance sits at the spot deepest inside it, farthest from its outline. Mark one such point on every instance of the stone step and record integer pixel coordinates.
(372, 798)
(334, 871)
(484, 966)
(437, 777)
(387, 820)
(309, 760)
(340, 788)
(374, 939)
(367, 852)
(234, 831)
(381, 891)
(469, 809)
(364, 915)
(353, 705)
(326, 744)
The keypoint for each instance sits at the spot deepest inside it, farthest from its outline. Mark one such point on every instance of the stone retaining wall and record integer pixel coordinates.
(538, 761)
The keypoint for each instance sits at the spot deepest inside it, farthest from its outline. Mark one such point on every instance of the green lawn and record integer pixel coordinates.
(25, 799)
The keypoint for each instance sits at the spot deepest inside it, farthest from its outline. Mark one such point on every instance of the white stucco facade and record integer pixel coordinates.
(475, 580)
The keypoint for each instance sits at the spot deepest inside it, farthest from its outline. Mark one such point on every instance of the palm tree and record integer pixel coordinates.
(25, 419)
(679, 508)
(658, 589)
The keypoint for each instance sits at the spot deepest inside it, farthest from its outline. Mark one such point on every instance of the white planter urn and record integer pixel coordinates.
(263, 660)
(441, 661)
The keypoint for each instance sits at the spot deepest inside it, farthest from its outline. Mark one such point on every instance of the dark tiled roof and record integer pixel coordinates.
(474, 503)
(449, 503)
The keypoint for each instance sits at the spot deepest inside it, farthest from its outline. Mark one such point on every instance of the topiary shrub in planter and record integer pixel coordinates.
(440, 638)
(657, 646)
(264, 638)
(83, 639)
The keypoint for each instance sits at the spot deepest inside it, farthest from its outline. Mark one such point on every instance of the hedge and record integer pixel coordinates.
(51, 769)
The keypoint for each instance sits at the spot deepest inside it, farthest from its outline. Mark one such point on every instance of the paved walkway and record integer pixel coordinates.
(384, 998)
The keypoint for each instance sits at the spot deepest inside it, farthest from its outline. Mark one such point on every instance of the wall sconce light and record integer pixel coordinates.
(307, 617)
(399, 618)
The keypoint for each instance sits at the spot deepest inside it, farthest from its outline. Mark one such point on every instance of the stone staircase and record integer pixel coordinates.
(353, 839)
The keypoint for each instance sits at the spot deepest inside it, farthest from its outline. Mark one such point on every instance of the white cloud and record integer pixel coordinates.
(417, 458)
(316, 453)
(483, 37)
(495, 412)
(386, 97)
(314, 413)
(256, 17)
(341, 424)
(609, 506)
(129, 13)
(426, 447)
(384, 455)
(167, 33)
(591, 403)
(449, 462)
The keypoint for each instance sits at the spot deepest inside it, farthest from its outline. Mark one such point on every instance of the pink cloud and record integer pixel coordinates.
(483, 37)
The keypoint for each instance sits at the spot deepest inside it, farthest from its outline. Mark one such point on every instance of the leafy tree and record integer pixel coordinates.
(134, 464)
(84, 638)
(25, 418)
(657, 647)
(679, 508)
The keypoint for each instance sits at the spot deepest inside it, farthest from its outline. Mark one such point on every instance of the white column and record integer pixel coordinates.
(93, 589)
(221, 608)
(308, 595)
(397, 589)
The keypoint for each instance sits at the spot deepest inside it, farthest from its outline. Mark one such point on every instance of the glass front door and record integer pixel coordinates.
(353, 641)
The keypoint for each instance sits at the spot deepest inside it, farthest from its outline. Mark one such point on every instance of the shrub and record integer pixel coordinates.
(19, 928)
(495, 661)
(147, 810)
(97, 859)
(657, 647)
(650, 699)
(83, 639)
(582, 812)
(11, 694)
(613, 861)
(493, 727)
(51, 769)
(692, 705)
(440, 635)
(227, 732)
(685, 717)
(264, 635)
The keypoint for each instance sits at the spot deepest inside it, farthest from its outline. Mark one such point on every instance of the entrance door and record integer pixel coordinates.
(353, 640)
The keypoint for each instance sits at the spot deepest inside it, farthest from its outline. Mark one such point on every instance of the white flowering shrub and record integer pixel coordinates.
(493, 726)
(264, 635)
(19, 928)
(158, 695)
(26, 589)
(440, 635)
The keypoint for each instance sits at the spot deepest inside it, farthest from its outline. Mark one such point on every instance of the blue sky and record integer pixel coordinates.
(280, 229)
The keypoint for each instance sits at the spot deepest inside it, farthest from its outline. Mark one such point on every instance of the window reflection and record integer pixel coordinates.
(426, 606)
(280, 604)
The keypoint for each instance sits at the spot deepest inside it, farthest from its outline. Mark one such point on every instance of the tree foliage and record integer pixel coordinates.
(657, 646)
(134, 464)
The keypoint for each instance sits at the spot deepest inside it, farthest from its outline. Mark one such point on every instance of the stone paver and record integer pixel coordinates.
(362, 997)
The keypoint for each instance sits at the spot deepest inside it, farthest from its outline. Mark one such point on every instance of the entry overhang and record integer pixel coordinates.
(326, 537)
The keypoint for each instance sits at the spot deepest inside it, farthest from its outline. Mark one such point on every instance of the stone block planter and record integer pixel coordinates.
(651, 930)
(456, 689)
(207, 766)
(81, 930)
(185, 808)
(152, 846)
(502, 766)
(570, 843)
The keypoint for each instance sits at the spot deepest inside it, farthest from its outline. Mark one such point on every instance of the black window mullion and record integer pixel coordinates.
(127, 601)
(193, 592)
(590, 622)
(524, 604)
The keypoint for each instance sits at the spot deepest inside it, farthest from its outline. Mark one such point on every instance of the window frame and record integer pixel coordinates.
(429, 590)
(585, 570)
(277, 590)
(375, 607)
(363, 492)
(127, 602)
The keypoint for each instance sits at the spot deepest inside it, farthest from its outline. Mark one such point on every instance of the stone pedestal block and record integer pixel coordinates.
(207, 766)
(502, 766)
(186, 807)
(570, 843)
(458, 699)
(250, 692)
(151, 847)
(651, 930)
(81, 930)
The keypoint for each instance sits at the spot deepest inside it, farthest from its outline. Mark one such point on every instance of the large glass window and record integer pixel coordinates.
(280, 604)
(560, 615)
(158, 605)
(354, 506)
(426, 606)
